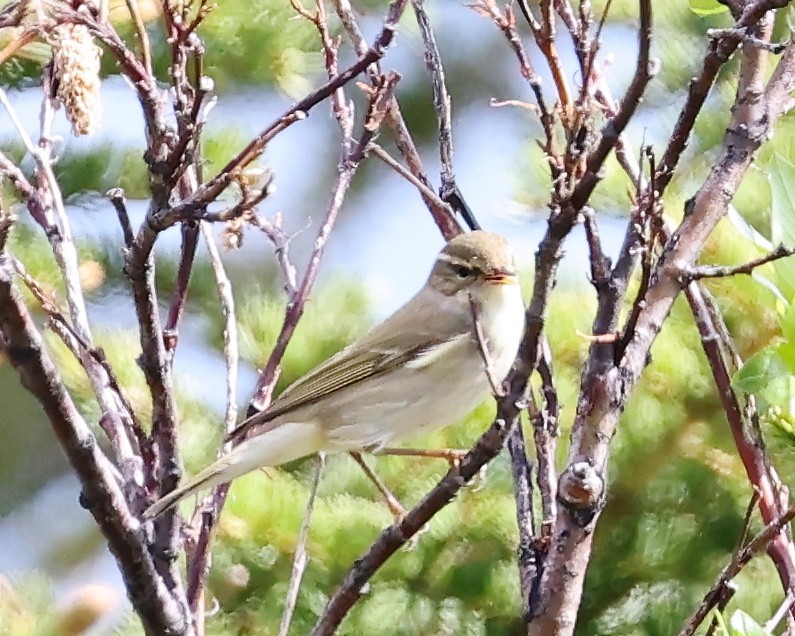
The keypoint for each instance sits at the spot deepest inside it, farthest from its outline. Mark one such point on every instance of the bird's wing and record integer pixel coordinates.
(388, 346)
(347, 368)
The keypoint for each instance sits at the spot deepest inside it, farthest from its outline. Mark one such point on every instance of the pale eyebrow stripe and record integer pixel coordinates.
(447, 258)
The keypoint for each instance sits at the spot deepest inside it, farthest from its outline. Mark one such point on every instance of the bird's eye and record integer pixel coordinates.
(462, 270)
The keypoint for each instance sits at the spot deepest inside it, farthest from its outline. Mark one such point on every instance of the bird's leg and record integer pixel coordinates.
(451, 455)
(395, 507)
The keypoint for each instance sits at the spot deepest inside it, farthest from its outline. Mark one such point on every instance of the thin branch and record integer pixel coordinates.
(781, 612)
(697, 272)
(347, 168)
(616, 125)
(507, 24)
(496, 385)
(442, 214)
(759, 543)
(143, 37)
(209, 510)
(424, 190)
(210, 190)
(718, 54)
(179, 297)
(441, 97)
(281, 246)
(750, 449)
(48, 210)
(395, 507)
(300, 558)
(746, 37)
(119, 202)
(448, 190)
(546, 429)
(527, 555)
(396, 535)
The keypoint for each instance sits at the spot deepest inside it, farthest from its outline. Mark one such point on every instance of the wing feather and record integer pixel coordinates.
(388, 346)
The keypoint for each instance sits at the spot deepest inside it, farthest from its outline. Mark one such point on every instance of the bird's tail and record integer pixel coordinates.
(277, 446)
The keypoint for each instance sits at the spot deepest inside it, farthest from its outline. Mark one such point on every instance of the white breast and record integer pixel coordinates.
(503, 324)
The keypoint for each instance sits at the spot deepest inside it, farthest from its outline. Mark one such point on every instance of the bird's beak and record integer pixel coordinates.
(502, 278)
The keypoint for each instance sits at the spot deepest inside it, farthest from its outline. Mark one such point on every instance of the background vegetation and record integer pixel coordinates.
(677, 495)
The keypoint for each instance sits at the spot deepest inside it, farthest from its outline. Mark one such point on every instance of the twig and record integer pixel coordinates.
(396, 535)
(27, 36)
(545, 434)
(506, 23)
(750, 450)
(616, 125)
(210, 190)
(118, 200)
(545, 39)
(442, 214)
(719, 52)
(281, 246)
(209, 510)
(781, 612)
(441, 98)
(48, 210)
(352, 156)
(143, 37)
(179, 297)
(697, 272)
(496, 385)
(424, 190)
(395, 507)
(759, 543)
(746, 37)
(80, 349)
(300, 559)
(528, 560)
(448, 191)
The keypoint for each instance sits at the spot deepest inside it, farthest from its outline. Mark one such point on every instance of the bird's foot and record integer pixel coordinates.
(453, 456)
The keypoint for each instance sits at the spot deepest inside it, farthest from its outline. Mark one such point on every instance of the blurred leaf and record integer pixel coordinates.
(787, 322)
(707, 7)
(759, 371)
(781, 174)
(767, 375)
(749, 232)
(743, 625)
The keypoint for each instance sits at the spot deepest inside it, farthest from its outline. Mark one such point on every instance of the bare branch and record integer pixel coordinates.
(442, 215)
(759, 543)
(300, 558)
(448, 191)
(24, 348)
(697, 272)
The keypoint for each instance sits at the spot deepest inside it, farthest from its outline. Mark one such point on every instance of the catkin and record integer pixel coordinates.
(76, 71)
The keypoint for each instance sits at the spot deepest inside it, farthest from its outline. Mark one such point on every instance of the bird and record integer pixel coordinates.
(422, 368)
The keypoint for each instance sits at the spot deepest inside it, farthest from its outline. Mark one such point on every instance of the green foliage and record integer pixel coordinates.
(740, 624)
(335, 315)
(255, 42)
(707, 7)
(770, 372)
(26, 606)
